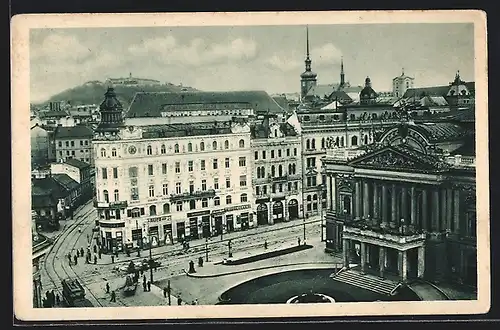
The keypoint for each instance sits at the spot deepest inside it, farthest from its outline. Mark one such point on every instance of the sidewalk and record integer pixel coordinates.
(122, 257)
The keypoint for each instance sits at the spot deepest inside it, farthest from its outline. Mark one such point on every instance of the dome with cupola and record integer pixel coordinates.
(367, 93)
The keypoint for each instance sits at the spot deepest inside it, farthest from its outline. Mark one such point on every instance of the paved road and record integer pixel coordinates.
(173, 258)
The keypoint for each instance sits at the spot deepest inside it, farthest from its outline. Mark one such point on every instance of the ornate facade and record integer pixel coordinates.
(404, 207)
(277, 171)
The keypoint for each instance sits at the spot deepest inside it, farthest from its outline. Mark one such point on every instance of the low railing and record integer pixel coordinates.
(344, 154)
(398, 235)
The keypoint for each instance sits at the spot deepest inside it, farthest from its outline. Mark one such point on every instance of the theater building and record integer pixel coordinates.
(277, 172)
(162, 177)
(406, 206)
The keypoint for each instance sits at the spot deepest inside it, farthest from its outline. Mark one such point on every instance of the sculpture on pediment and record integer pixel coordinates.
(389, 159)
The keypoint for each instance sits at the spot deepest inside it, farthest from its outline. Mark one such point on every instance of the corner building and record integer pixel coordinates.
(166, 178)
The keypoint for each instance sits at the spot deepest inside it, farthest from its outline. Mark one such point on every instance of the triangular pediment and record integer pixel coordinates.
(399, 158)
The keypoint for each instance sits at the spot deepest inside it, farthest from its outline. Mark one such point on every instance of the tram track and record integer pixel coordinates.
(55, 278)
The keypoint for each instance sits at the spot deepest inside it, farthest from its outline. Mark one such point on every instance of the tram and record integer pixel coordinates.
(74, 294)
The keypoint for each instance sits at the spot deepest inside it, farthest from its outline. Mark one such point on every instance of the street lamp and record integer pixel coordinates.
(320, 190)
(150, 254)
(206, 249)
(304, 223)
(229, 246)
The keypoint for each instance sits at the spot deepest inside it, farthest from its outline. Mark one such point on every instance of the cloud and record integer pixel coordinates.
(60, 47)
(196, 52)
(325, 55)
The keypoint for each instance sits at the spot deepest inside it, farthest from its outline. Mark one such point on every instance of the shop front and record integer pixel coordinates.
(167, 234)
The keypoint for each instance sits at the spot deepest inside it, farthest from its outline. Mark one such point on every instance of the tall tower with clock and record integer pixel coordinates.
(307, 78)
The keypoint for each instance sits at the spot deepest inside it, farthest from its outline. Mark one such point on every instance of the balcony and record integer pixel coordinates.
(282, 178)
(342, 154)
(111, 205)
(364, 230)
(192, 195)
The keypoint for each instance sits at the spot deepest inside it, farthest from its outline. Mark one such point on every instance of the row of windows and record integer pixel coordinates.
(339, 141)
(277, 187)
(71, 157)
(179, 206)
(277, 154)
(72, 143)
(134, 191)
(261, 171)
(163, 148)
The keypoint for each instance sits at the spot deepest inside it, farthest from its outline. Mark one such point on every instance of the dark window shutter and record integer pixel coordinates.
(129, 213)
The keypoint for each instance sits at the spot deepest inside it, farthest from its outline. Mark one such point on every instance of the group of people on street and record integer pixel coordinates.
(89, 256)
(113, 293)
(51, 299)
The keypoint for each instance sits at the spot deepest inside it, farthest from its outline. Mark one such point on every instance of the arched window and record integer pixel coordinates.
(374, 115)
(313, 144)
(152, 210)
(366, 139)
(243, 198)
(106, 196)
(323, 145)
(353, 116)
(275, 133)
(176, 148)
(149, 150)
(308, 144)
(294, 168)
(309, 198)
(337, 141)
(214, 145)
(166, 208)
(204, 202)
(163, 149)
(242, 143)
(192, 204)
(342, 141)
(290, 169)
(226, 144)
(190, 147)
(258, 172)
(315, 197)
(273, 171)
(263, 171)
(228, 199)
(103, 152)
(117, 195)
(113, 152)
(280, 170)
(354, 141)
(202, 146)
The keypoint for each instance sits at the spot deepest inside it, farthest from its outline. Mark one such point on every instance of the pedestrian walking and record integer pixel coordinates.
(112, 259)
(164, 292)
(265, 245)
(144, 286)
(95, 248)
(77, 253)
(76, 260)
(144, 278)
(107, 287)
(113, 296)
(179, 301)
(298, 241)
(79, 229)
(99, 254)
(149, 286)
(81, 252)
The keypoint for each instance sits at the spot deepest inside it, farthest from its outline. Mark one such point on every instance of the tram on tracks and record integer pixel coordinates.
(73, 294)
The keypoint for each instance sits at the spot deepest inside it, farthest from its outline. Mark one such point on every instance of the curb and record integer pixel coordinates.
(260, 268)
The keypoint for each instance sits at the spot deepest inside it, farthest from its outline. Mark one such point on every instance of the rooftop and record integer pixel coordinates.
(52, 114)
(435, 90)
(78, 131)
(152, 104)
(65, 181)
(77, 163)
(440, 132)
(190, 129)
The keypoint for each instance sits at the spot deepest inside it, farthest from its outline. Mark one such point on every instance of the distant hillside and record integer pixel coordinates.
(92, 92)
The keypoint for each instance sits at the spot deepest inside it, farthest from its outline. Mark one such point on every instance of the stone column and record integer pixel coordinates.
(404, 209)
(328, 192)
(404, 266)
(366, 200)
(456, 211)
(376, 205)
(435, 210)
(362, 253)
(421, 262)
(381, 260)
(424, 210)
(384, 207)
(358, 200)
(449, 209)
(443, 217)
(413, 207)
(345, 252)
(393, 220)
(400, 264)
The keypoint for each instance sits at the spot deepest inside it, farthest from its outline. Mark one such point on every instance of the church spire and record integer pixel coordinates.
(308, 59)
(342, 75)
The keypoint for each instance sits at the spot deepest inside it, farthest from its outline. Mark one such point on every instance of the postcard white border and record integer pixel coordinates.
(20, 26)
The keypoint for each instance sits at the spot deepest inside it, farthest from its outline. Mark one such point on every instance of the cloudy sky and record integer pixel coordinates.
(268, 58)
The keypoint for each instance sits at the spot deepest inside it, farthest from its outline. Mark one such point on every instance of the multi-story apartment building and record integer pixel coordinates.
(74, 142)
(162, 177)
(277, 170)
